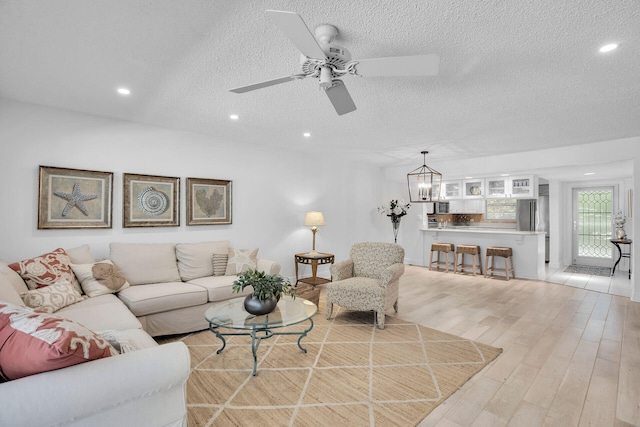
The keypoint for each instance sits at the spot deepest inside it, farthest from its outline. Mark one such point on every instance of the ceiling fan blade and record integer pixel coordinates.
(268, 83)
(340, 98)
(418, 65)
(294, 27)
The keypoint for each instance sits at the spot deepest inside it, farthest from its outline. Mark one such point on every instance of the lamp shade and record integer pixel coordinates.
(313, 219)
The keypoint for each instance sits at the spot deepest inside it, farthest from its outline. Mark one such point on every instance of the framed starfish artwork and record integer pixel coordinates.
(150, 201)
(208, 201)
(74, 198)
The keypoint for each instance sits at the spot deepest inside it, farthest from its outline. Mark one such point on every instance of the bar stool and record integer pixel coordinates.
(461, 251)
(506, 253)
(438, 248)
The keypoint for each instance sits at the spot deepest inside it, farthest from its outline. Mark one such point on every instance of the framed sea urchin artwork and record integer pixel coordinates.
(208, 201)
(150, 201)
(74, 198)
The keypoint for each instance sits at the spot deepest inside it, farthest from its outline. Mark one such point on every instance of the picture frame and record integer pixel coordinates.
(150, 201)
(208, 201)
(74, 198)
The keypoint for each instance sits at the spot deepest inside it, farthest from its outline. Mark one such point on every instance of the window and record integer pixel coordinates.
(501, 209)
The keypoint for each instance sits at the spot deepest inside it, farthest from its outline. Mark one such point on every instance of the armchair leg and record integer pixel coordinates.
(379, 319)
(329, 310)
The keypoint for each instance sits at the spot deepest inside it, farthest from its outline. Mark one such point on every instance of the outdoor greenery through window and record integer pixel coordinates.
(501, 209)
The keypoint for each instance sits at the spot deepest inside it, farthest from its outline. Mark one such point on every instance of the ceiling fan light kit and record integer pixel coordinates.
(327, 61)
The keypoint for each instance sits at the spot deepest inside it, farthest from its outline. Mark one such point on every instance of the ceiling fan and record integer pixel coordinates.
(327, 61)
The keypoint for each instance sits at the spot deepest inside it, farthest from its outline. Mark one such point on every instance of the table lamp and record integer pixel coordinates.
(313, 220)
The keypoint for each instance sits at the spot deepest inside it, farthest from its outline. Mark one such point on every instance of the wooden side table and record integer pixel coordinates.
(314, 260)
(617, 243)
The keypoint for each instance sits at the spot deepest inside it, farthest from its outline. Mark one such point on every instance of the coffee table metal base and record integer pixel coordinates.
(258, 334)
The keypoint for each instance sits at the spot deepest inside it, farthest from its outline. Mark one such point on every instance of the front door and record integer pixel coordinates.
(592, 226)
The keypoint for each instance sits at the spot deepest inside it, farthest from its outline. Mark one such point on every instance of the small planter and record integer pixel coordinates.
(258, 307)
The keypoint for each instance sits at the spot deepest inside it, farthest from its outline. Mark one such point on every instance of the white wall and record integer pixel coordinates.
(272, 189)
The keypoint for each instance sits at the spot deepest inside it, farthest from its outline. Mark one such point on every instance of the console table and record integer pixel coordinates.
(617, 243)
(314, 260)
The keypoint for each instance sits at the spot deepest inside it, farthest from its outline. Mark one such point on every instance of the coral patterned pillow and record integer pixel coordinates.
(51, 298)
(47, 269)
(32, 342)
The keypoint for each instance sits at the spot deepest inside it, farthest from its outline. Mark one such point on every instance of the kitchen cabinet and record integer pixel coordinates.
(451, 190)
(473, 188)
(515, 186)
(467, 206)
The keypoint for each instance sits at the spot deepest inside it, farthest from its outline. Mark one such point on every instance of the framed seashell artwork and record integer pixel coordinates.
(150, 201)
(208, 201)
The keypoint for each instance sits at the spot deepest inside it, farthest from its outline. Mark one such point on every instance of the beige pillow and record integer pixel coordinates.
(194, 259)
(240, 260)
(100, 278)
(143, 263)
(51, 298)
(219, 262)
(80, 255)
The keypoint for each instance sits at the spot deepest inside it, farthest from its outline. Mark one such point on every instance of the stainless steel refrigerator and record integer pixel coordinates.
(533, 215)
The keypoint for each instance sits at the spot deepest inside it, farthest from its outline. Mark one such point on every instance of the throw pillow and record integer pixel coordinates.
(240, 260)
(219, 262)
(32, 342)
(47, 269)
(51, 298)
(100, 278)
(80, 255)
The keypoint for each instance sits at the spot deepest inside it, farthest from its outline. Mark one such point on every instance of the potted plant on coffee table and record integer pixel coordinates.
(267, 290)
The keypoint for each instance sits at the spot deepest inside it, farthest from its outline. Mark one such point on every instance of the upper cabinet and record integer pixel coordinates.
(514, 186)
(473, 188)
(451, 190)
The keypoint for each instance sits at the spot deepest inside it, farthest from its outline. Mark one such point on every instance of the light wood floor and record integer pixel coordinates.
(571, 356)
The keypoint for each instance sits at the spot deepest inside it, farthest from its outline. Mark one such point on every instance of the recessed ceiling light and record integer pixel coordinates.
(306, 134)
(234, 117)
(504, 174)
(609, 47)
(124, 91)
(468, 177)
(589, 173)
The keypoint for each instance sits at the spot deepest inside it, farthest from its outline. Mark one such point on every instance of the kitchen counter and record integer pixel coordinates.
(528, 246)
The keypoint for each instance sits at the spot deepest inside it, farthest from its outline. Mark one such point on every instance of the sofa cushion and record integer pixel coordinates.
(51, 298)
(159, 297)
(196, 259)
(219, 288)
(33, 342)
(80, 255)
(240, 260)
(11, 285)
(143, 263)
(46, 269)
(100, 278)
(101, 313)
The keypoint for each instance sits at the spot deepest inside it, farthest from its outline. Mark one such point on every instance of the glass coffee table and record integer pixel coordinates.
(231, 315)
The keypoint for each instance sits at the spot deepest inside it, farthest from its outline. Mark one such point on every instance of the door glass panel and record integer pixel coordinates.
(593, 222)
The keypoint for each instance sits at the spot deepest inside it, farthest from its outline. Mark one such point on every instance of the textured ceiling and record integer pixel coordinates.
(515, 75)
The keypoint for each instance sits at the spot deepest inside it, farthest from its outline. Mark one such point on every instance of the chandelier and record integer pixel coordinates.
(424, 183)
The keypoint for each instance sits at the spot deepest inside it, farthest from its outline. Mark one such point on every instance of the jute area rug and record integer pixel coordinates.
(352, 374)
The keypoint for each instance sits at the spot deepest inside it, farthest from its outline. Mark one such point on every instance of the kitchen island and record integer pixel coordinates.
(528, 246)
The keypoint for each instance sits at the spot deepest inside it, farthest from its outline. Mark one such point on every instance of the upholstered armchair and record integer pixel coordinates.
(368, 280)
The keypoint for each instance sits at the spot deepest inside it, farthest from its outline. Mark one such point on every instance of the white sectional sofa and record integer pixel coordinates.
(170, 286)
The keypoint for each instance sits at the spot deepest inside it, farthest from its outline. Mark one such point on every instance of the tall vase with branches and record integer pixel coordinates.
(395, 210)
